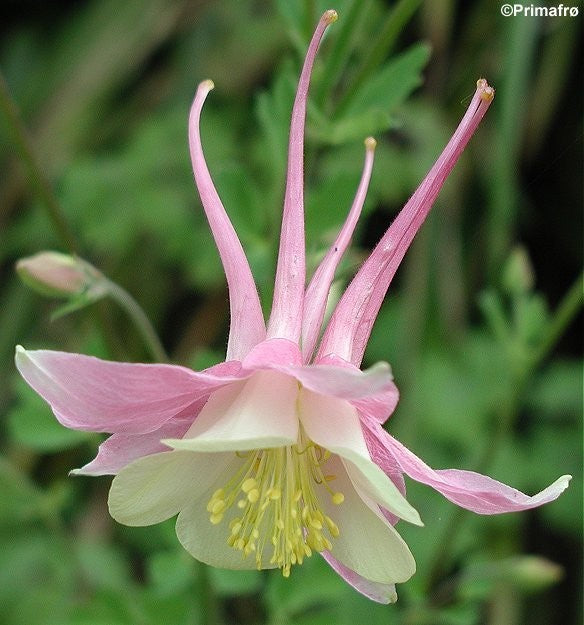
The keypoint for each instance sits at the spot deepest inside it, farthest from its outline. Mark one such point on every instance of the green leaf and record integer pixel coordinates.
(311, 584)
(107, 607)
(102, 565)
(393, 83)
(21, 499)
(170, 572)
(350, 127)
(557, 392)
(228, 583)
(37, 578)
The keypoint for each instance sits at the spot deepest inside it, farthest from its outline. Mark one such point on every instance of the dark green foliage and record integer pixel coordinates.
(477, 326)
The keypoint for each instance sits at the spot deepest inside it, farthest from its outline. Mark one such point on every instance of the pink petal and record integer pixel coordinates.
(286, 316)
(467, 489)
(247, 321)
(382, 593)
(350, 326)
(317, 292)
(367, 387)
(379, 406)
(272, 353)
(372, 390)
(119, 450)
(87, 393)
(381, 456)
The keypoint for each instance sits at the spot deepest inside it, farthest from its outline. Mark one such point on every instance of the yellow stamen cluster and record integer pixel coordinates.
(276, 492)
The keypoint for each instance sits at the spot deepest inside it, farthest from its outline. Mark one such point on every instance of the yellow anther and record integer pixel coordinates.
(218, 506)
(331, 16)
(370, 143)
(338, 498)
(332, 527)
(248, 485)
(274, 493)
(279, 492)
(488, 94)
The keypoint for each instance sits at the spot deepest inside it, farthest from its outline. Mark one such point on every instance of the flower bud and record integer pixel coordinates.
(518, 275)
(58, 275)
(533, 573)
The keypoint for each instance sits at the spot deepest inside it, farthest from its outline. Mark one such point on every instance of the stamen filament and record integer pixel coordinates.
(275, 495)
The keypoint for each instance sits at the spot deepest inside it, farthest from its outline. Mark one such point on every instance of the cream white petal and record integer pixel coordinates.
(156, 487)
(333, 423)
(366, 544)
(257, 413)
(207, 542)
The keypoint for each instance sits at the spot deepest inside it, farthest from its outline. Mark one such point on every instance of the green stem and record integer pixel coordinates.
(564, 315)
(138, 316)
(38, 178)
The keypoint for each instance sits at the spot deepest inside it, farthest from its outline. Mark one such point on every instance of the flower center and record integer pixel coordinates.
(276, 491)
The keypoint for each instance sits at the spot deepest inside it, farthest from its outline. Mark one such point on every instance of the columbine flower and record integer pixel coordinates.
(279, 451)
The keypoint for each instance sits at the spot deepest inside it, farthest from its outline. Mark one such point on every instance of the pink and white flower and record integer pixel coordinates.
(279, 451)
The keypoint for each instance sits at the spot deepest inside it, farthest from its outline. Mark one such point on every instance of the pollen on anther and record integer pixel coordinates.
(331, 16)
(218, 506)
(253, 495)
(248, 485)
(338, 498)
(487, 94)
(370, 143)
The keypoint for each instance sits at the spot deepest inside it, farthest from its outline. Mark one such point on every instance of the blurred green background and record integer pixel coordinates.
(482, 325)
